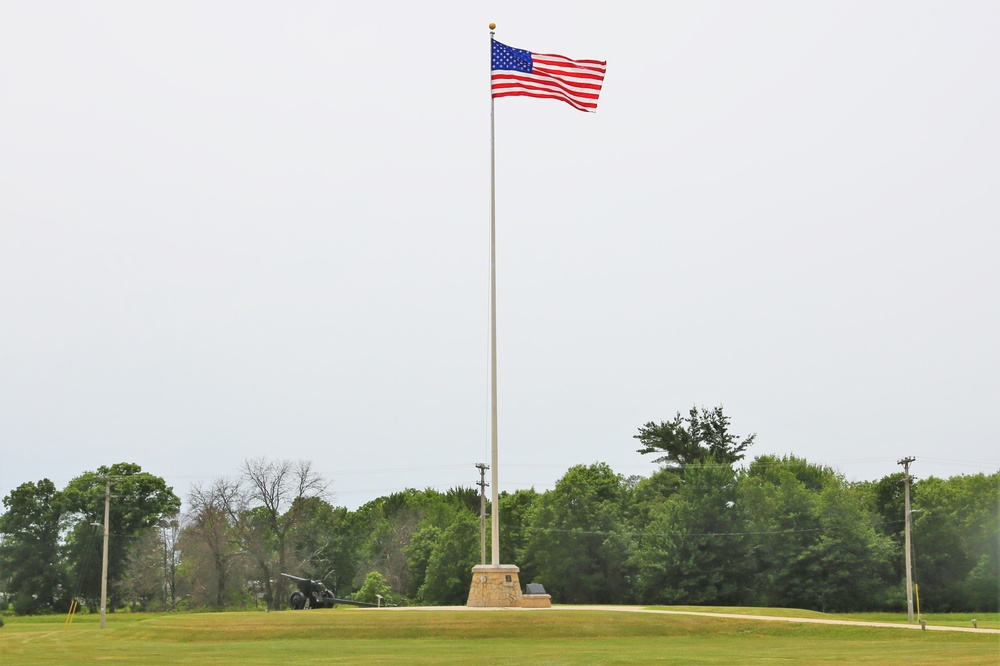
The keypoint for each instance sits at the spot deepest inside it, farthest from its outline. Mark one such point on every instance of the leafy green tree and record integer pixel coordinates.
(418, 555)
(29, 550)
(979, 515)
(956, 540)
(576, 544)
(698, 437)
(343, 553)
(782, 520)
(694, 550)
(848, 561)
(140, 500)
(515, 521)
(385, 527)
(650, 492)
(885, 498)
(322, 545)
(814, 540)
(449, 568)
(462, 500)
(373, 586)
(388, 525)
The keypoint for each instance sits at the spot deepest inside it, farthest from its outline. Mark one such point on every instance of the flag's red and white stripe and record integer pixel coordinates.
(576, 82)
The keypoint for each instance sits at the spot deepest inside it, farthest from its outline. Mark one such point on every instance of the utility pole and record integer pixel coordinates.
(482, 511)
(104, 560)
(905, 462)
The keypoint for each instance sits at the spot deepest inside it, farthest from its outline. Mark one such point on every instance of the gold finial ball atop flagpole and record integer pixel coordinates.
(493, 26)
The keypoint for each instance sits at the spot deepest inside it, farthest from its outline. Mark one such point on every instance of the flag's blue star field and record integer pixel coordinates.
(509, 58)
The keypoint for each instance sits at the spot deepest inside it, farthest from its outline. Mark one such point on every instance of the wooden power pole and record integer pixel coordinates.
(482, 511)
(905, 462)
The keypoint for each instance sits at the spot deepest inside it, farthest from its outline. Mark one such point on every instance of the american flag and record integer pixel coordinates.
(548, 76)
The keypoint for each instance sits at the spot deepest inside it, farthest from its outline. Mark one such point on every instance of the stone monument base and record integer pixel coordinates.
(495, 586)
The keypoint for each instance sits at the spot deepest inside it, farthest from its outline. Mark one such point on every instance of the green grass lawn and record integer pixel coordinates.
(983, 620)
(466, 637)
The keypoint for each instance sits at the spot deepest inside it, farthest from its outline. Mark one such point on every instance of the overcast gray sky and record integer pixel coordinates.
(235, 229)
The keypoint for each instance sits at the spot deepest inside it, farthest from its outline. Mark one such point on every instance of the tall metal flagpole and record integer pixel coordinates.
(495, 513)
(104, 556)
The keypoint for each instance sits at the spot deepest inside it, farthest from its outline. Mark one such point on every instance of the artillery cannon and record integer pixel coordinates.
(314, 594)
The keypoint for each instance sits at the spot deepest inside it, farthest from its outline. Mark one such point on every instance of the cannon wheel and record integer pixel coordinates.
(297, 601)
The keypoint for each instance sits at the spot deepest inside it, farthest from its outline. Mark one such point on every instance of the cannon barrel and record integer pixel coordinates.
(351, 602)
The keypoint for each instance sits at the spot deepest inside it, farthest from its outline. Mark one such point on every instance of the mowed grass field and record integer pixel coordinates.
(984, 620)
(415, 636)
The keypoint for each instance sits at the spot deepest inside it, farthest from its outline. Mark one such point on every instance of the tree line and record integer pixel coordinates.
(778, 532)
